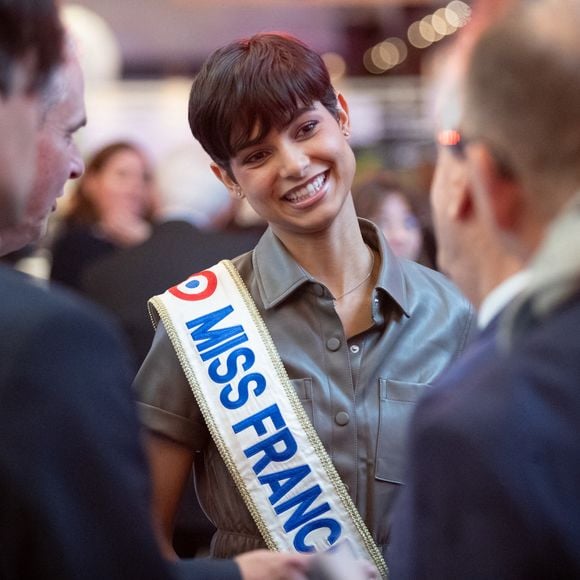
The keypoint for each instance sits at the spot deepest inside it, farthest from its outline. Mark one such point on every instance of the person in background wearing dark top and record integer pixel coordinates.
(74, 484)
(111, 208)
(399, 213)
(187, 237)
(494, 478)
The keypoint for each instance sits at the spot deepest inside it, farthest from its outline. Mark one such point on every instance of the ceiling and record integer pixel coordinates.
(159, 38)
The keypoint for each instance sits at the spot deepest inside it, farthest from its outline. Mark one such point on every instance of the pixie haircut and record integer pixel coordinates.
(251, 86)
(29, 28)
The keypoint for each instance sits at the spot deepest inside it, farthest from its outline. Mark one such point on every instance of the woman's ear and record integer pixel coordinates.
(223, 175)
(343, 114)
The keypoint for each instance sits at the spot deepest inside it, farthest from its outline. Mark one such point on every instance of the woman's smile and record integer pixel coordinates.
(308, 192)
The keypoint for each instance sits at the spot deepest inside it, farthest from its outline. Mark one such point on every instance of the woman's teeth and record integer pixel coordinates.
(309, 190)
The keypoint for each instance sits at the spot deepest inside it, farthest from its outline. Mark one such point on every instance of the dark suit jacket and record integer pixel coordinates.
(74, 492)
(123, 282)
(494, 481)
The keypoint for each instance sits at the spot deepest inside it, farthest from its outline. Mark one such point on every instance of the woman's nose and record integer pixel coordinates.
(294, 162)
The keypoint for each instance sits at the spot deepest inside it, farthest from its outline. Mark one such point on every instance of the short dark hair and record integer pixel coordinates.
(257, 82)
(29, 27)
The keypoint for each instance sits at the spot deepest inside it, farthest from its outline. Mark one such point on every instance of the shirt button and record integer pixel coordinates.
(318, 290)
(354, 348)
(342, 418)
(333, 344)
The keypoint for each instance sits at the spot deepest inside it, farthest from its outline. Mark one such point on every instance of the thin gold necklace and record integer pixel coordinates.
(359, 284)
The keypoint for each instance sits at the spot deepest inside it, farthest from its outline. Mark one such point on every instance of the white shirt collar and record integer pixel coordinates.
(500, 297)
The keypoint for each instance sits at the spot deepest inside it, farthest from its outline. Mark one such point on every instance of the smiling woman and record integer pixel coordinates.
(321, 300)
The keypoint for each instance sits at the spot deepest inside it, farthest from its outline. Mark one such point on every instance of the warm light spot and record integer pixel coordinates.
(427, 31)
(369, 63)
(400, 46)
(415, 37)
(439, 24)
(448, 137)
(335, 64)
(388, 54)
(457, 13)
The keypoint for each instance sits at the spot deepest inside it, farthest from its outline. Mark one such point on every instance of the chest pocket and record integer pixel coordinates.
(397, 403)
(303, 388)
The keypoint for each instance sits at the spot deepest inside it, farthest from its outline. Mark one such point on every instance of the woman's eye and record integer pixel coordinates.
(256, 157)
(307, 128)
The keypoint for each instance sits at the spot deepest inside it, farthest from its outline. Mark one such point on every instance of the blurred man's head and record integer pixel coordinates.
(468, 247)
(30, 48)
(62, 111)
(521, 122)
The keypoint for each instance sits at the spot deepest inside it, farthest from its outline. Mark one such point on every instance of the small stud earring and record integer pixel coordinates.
(345, 132)
(239, 192)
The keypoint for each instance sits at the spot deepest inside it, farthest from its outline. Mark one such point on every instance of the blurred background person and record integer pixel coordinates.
(111, 208)
(189, 234)
(399, 213)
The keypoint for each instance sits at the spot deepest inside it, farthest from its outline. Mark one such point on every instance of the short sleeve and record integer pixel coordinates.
(165, 400)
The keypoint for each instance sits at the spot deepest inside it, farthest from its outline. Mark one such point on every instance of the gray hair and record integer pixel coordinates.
(522, 97)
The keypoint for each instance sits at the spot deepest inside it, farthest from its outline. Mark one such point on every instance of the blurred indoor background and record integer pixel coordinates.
(139, 57)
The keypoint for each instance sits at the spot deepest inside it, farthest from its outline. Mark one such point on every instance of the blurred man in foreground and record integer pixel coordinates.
(494, 486)
(73, 478)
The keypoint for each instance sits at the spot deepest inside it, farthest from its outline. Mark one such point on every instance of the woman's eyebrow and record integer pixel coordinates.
(298, 112)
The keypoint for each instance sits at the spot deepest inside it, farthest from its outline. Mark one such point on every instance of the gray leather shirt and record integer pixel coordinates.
(358, 393)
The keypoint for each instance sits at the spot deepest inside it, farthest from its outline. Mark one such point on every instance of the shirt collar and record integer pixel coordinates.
(500, 297)
(279, 275)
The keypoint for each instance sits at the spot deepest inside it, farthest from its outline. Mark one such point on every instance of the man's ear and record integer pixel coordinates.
(458, 197)
(343, 114)
(223, 175)
(502, 191)
(462, 200)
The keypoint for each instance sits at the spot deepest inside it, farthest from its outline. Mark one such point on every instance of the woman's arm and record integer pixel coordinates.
(171, 465)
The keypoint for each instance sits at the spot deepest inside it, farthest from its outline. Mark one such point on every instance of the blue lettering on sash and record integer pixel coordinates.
(268, 447)
(303, 500)
(243, 391)
(213, 342)
(278, 447)
(277, 444)
(333, 527)
(231, 365)
(291, 476)
(257, 420)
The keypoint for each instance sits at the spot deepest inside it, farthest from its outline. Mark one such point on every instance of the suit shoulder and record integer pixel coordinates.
(24, 302)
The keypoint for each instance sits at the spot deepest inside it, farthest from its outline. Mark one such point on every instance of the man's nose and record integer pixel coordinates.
(77, 166)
